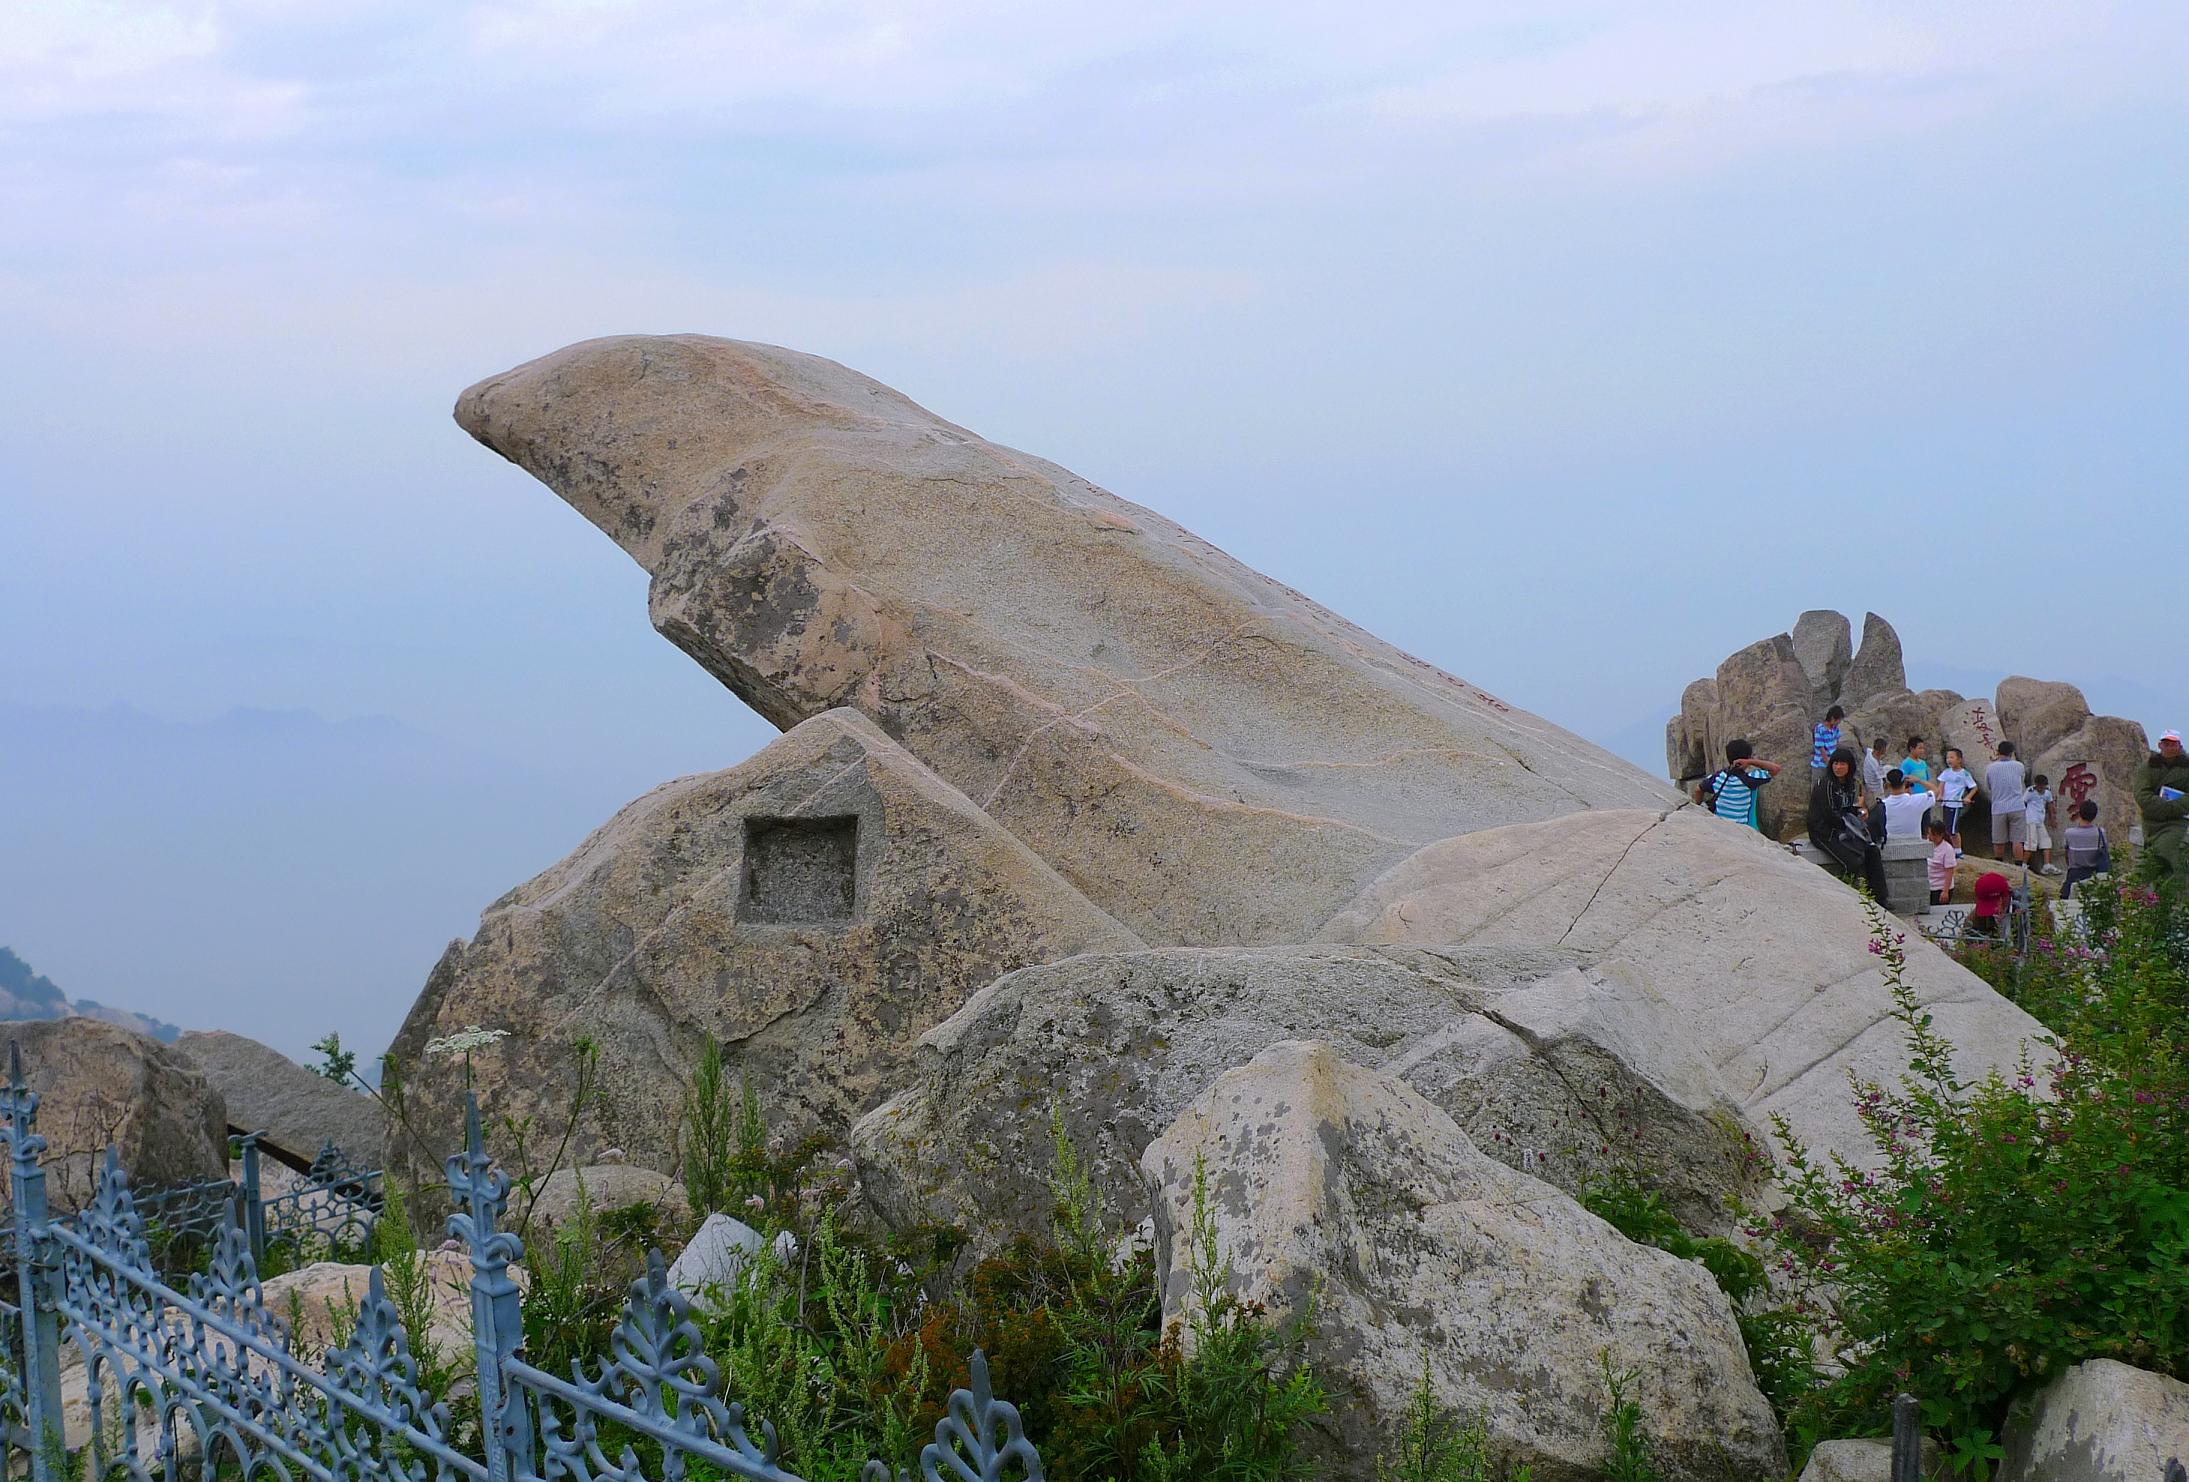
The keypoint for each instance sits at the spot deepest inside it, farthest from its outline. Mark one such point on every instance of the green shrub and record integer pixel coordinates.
(850, 1347)
(1437, 1446)
(2012, 1229)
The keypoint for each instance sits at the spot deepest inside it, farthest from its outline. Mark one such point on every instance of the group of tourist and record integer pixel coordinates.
(1860, 801)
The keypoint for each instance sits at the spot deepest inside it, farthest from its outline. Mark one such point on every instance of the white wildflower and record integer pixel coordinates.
(464, 1041)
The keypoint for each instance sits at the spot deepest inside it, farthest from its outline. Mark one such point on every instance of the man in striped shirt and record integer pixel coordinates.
(1730, 792)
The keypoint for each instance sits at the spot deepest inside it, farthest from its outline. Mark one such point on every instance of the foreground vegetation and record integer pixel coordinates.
(2015, 1225)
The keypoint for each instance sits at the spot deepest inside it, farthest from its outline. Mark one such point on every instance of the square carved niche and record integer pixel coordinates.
(800, 871)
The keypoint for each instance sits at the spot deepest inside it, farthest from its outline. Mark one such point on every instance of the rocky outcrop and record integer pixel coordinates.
(1761, 957)
(1547, 1064)
(2101, 1421)
(2085, 755)
(1423, 1255)
(295, 1111)
(815, 909)
(1824, 643)
(1140, 709)
(1878, 667)
(99, 1086)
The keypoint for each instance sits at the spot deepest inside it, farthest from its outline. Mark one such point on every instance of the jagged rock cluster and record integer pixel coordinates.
(1075, 816)
(1774, 691)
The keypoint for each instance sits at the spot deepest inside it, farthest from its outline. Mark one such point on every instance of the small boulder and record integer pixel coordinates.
(101, 1085)
(1863, 1459)
(1424, 1255)
(716, 1252)
(608, 1186)
(296, 1111)
(2101, 1421)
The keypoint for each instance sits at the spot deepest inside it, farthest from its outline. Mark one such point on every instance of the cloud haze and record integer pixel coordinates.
(1569, 345)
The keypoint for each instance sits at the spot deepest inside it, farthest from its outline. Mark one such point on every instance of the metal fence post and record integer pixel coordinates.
(40, 1321)
(497, 1318)
(254, 1203)
(1907, 1439)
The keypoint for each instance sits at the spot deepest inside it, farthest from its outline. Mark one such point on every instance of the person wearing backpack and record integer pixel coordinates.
(1730, 792)
(1837, 826)
(2089, 852)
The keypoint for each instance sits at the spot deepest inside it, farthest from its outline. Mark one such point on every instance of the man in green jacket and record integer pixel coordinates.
(2165, 819)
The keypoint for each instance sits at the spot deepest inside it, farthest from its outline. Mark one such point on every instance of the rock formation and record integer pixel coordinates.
(817, 908)
(1140, 709)
(1075, 816)
(295, 1111)
(101, 1086)
(1548, 1066)
(1759, 693)
(1424, 1255)
(2101, 1421)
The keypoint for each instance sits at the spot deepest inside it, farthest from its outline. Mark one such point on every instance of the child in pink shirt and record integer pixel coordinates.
(1943, 858)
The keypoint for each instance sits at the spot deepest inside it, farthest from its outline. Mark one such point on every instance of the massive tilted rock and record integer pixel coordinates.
(1425, 1255)
(1878, 668)
(2101, 1421)
(99, 1086)
(295, 1111)
(1140, 709)
(1824, 642)
(1754, 694)
(1548, 1066)
(816, 909)
(1764, 958)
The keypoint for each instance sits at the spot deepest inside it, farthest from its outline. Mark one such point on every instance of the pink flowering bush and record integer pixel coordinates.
(2013, 1225)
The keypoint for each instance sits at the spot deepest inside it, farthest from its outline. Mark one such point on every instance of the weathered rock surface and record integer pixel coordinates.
(1544, 1062)
(2101, 1421)
(1547, 1064)
(816, 909)
(101, 1085)
(1824, 642)
(1862, 1460)
(1139, 708)
(318, 1300)
(2038, 714)
(1895, 716)
(608, 1186)
(1878, 668)
(1764, 958)
(296, 1111)
(1424, 1253)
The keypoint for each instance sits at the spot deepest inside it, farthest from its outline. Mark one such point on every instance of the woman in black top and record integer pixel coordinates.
(1836, 823)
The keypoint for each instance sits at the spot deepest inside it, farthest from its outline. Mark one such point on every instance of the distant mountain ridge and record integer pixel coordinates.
(25, 994)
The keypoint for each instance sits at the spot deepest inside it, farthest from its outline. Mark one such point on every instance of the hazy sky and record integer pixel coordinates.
(1568, 345)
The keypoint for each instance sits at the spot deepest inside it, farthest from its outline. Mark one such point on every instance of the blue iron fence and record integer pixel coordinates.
(206, 1376)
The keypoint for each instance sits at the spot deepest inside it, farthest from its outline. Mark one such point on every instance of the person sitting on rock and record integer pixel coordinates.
(1730, 792)
(1837, 827)
(2162, 797)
